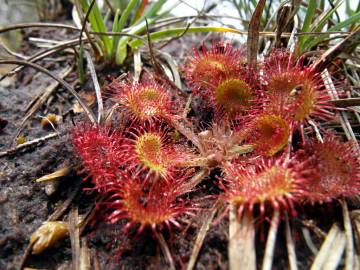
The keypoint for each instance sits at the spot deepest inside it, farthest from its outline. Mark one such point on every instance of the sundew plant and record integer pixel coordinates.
(252, 131)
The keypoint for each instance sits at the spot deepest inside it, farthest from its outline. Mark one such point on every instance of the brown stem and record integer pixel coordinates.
(165, 250)
(210, 160)
(196, 162)
(240, 149)
(194, 181)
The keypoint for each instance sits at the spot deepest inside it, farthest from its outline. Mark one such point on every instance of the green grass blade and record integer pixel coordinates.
(139, 11)
(116, 21)
(349, 11)
(239, 7)
(85, 7)
(308, 19)
(122, 4)
(322, 4)
(115, 29)
(121, 51)
(125, 15)
(179, 31)
(324, 18)
(309, 15)
(80, 65)
(348, 22)
(307, 41)
(97, 23)
(120, 23)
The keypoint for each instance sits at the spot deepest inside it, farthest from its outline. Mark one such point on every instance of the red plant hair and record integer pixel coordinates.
(268, 133)
(148, 204)
(208, 66)
(145, 102)
(267, 182)
(100, 151)
(150, 149)
(337, 168)
(294, 89)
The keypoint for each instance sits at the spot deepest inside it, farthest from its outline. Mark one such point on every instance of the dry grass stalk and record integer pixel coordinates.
(271, 241)
(241, 247)
(74, 233)
(165, 250)
(290, 246)
(28, 144)
(334, 95)
(349, 262)
(43, 97)
(57, 174)
(355, 219)
(96, 86)
(84, 255)
(201, 236)
(331, 250)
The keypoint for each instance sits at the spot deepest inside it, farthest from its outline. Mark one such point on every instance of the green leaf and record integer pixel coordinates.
(353, 19)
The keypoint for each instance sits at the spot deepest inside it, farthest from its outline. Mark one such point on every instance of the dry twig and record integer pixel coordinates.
(28, 144)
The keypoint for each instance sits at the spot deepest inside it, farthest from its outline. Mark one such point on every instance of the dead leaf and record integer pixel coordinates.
(253, 34)
(55, 175)
(89, 99)
(48, 235)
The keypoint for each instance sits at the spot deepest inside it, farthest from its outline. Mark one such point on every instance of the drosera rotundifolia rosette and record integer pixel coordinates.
(255, 138)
